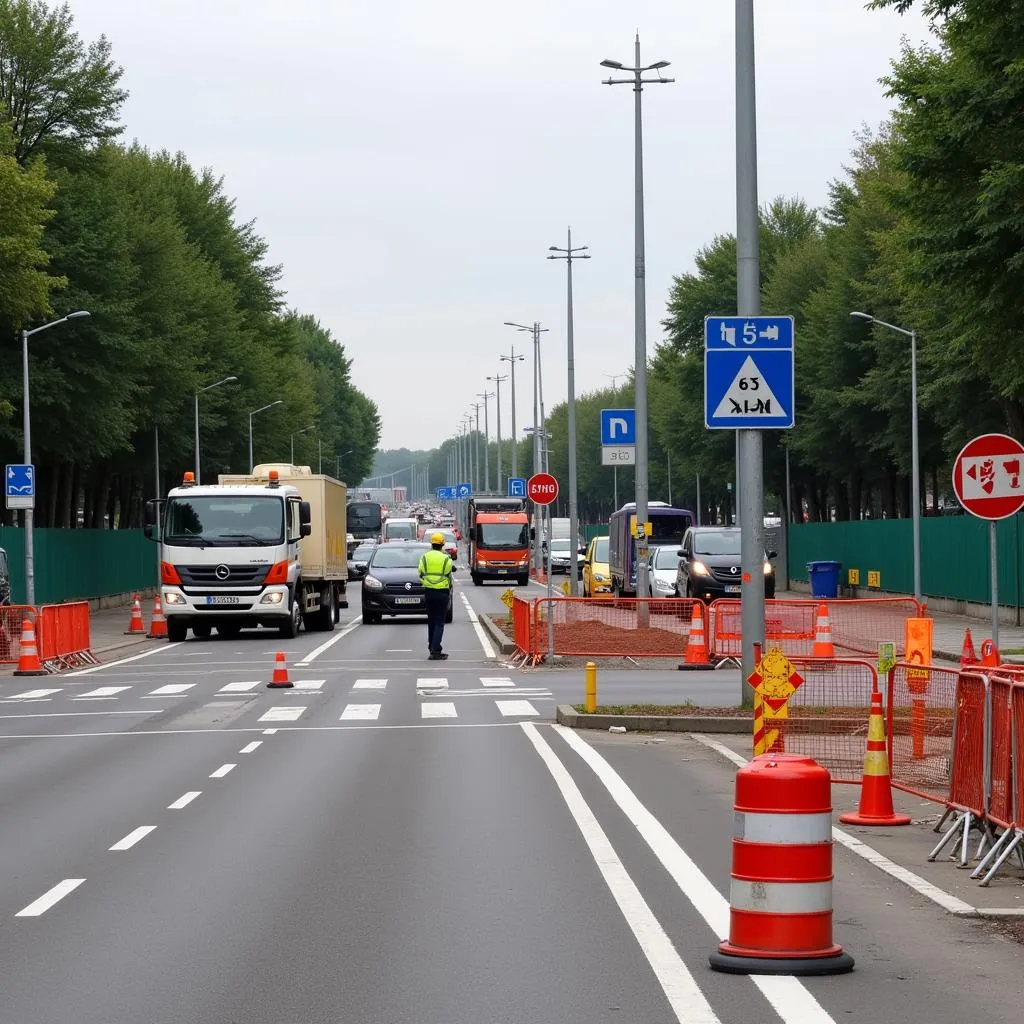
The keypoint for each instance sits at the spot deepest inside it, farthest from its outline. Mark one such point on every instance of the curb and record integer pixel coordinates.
(568, 716)
(500, 639)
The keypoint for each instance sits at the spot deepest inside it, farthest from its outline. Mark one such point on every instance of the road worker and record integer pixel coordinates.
(435, 571)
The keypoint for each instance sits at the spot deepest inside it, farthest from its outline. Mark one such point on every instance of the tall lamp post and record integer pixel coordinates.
(476, 407)
(338, 459)
(209, 387)
(568, 254)
(915, 465)
(498, 378)
(637, 80)
(295, 435)
(29, 513)
(512, 358)
(485, 395)
(262, 408)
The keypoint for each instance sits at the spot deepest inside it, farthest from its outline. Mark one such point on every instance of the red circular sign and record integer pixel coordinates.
(542, 488)
(988, 476)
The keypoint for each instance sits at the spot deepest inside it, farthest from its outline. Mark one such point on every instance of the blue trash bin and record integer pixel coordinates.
(824, 577)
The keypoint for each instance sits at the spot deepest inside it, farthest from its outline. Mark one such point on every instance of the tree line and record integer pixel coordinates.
(925, 230)
(179, 291)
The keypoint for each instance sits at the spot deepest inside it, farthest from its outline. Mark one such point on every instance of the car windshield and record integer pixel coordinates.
(717, 542)
(400, 531)
(601, 550)
(560, 545)
(666, 558)
(363, 552)
(502, 536)
(397, 556)
(223, 520)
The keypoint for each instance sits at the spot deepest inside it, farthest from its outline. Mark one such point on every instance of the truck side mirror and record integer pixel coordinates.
(149, 519)
(305, 516)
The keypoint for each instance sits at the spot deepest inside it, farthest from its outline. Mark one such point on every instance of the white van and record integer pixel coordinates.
(400, 529)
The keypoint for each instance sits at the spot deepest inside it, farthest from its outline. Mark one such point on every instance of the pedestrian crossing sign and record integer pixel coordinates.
(508, 595)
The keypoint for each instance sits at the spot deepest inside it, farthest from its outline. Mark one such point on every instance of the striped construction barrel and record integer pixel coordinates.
(780, 897)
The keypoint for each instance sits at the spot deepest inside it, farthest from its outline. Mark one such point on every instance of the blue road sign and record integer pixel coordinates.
(446, 493)
(618, 426)
(463, 490)
(20, 481)
(749, 372)
(517, 487)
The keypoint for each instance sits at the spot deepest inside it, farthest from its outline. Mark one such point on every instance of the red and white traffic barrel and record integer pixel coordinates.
(780, 918)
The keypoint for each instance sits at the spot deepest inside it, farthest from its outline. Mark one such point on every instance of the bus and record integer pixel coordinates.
(365, 519)
(668, 526)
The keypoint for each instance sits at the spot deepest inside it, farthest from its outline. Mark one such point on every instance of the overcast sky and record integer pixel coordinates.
(410, 162)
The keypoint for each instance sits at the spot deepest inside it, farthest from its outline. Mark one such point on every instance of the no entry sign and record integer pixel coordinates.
(542, 488)
(988, 476)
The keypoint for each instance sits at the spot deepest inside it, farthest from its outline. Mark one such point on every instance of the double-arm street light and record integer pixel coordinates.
(485, 395)
(915, 466)
(512, 358)
(338, 459)
(209, 387)
(262, 408)
(30, 564)
(498, 378)
(304, 430)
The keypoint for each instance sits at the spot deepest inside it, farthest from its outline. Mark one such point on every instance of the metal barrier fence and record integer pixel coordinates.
(11, 618)
(522, 625)
(857, 625)
(63, 636)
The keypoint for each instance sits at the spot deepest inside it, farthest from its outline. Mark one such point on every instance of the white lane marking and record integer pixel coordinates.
(369, 684)
(432, 683)
(314, 654)
(170, 689)
(77, 714)
(681, 989)
(485, 642)
(360, 711)
(399, 650)
(282, 714)
(920, 885)
(103, 691)
(787, 996)
(438, 709)
(496, 681)
(133, 837)
(34, 694)
(269, 732)
(250, 747)
(184, 800)
(123, 661)
(238, 687)
(516, 707)
(222, 771)
(40, 906)
(308, 684)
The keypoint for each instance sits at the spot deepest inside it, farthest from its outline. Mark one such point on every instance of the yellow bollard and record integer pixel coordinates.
(591, 677)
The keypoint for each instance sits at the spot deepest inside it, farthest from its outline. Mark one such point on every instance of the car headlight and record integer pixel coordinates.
(372, 583)
(768, 568)
(663, 585)
(598, 578)
(699, 568)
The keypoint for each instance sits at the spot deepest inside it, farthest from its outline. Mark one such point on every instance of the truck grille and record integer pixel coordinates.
(206, 575)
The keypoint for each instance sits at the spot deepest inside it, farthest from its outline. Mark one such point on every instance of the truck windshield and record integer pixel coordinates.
(364, 515)
(224, 521)
(502, 536)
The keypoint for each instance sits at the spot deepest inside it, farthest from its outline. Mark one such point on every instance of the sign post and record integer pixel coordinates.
(774, 680)
(988, 478)
(542, 490)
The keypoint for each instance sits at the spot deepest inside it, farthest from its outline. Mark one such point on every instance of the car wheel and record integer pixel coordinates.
(450, 614)
(371, 618)
(176, 631)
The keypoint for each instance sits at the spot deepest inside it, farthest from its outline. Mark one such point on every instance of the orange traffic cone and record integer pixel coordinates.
(823, 647)
(875, 789)
(135, 625)
(967, 653)
(28, 660)
(989, 654)
(158, 624)
(280, 680)
(696, 643)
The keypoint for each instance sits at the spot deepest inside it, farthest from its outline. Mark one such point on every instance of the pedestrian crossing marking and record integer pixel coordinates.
(308, 684)
(438, 709)
(34, 694)
(170, 689)
(496, 681)
(363, 712)
(369, 684)
(432, 683)
(238, 687)
(103, 691)
(284, 714)
(509, 708)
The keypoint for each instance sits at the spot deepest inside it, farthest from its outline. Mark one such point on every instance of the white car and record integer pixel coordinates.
(561, 556)
(662, 575)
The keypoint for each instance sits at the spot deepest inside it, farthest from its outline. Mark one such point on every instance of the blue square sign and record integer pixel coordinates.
(618, 426)
(749, 372)
(516, 487)
(20, 485)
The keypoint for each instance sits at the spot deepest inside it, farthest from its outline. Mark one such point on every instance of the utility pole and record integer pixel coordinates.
(567, 254)
(475, 406)
(498, 378)
(485, 395)
(615, 469)
(637, 80)
(512, 358)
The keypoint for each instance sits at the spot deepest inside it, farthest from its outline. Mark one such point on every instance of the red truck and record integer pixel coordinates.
(498, 535)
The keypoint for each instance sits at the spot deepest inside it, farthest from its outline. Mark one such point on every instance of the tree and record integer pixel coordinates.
(55, 92)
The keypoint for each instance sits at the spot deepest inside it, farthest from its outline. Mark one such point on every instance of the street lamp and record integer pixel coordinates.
(262, 408)
(498, 378)
(338, 459)
(512, 358)
(568, 254)
(29, 513)
(915, 470)
(295, 435)
(637, 80)
(209, 387)
(485, 395)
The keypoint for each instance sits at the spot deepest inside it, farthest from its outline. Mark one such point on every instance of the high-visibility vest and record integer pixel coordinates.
(435, 570)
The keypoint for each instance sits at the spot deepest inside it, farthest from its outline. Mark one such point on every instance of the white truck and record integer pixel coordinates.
(262, 549)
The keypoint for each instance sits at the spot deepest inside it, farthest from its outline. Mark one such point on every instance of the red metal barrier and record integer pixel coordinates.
(1000, 760)
(63, 635)
(597, 627)
(11, 618)
(522, 621)
(857, 625)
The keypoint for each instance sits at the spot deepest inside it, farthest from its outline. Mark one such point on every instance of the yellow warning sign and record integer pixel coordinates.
(508, 596)
(566, 588)
(775, 678)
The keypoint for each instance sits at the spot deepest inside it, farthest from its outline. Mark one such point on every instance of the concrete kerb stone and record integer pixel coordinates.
(568, 716)
(500, 638)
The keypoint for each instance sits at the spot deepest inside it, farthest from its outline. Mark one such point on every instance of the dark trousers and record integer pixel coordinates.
(437, 609)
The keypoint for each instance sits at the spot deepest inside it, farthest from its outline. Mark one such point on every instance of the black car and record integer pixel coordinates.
(709, 564)
(360, 558)
(392, 584)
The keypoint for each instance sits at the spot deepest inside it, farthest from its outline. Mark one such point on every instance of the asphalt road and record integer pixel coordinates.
(397, 840)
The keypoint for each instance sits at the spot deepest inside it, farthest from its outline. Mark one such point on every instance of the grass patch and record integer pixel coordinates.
(662, 710)
(1013, 650)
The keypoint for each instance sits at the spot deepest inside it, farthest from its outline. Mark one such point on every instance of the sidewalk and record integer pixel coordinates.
(108, 628)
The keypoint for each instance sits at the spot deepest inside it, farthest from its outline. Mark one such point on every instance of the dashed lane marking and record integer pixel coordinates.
(438, 709)
(283, 714)
(361, 712)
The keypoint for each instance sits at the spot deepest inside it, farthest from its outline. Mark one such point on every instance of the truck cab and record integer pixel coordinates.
(498, 535)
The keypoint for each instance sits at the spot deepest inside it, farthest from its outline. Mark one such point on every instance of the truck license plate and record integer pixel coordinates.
(407, 600)
(732, 590)
(222, 599)
(502, 572)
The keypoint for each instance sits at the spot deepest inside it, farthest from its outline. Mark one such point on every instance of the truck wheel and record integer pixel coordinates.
(477, 581)
(229, 631)
(176, 631)
(328, 614)
(522, 581)
(291, 628)
(201, 632)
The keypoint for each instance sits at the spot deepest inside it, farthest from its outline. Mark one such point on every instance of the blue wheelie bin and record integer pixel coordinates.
(824, 577)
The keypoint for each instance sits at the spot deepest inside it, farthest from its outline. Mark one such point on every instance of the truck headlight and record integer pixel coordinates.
(170, 597)
(372, 583)
(275, 598)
